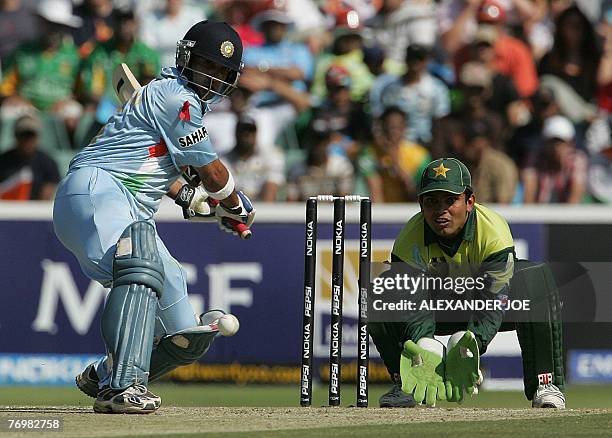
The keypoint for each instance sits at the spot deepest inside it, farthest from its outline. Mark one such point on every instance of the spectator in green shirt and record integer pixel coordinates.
(346, 51)
(97, 71)
(42, 73)
(392, 165)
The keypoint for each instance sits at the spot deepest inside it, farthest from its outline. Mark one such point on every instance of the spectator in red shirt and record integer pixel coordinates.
(239, 13)
(512, 56)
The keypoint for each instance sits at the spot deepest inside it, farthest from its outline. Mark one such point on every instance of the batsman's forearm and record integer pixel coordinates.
(231, 201)
(215, 178)
(174, 189)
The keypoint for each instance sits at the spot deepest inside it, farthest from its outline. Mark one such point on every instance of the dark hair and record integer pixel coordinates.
(342, 38)
(121, 15)
(589, 48)
(468, 192)
(373, 54)
(589, 38)
(417, 51)
(246, 123)
(393, 110)
(478, 128)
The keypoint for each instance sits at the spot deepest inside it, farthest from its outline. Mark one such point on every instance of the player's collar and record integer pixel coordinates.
(173, 72)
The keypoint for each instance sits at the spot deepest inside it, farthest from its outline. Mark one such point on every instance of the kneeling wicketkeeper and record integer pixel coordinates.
(453, 233)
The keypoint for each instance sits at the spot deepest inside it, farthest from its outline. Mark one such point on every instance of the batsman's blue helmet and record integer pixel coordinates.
(217, 42)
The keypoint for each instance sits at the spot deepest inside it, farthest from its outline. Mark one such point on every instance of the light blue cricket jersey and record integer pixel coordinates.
(151, 138)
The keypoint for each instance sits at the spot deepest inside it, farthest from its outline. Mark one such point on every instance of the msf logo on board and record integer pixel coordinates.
(59, 286)
(58, 289)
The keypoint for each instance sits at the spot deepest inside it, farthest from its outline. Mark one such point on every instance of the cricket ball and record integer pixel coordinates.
(228, 325)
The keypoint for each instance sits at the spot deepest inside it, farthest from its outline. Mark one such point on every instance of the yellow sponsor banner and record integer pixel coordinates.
(252, 373)
(381, 250)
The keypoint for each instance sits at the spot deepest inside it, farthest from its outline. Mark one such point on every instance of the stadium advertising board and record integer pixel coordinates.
(51, 308)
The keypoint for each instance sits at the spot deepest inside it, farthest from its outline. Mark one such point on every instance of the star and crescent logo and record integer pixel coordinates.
(227, 49)
(440, 170)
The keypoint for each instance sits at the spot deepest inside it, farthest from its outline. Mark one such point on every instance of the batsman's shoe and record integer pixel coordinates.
(88, 380)
(211, 316)
(131, 400)
(396, 398)
(156, 399)
(548, 396)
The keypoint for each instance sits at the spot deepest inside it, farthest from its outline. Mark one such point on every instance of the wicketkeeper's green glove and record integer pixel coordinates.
(462, 366)
(422, 370)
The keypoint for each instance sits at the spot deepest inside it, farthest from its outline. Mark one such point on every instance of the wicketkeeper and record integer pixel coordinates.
(104, 214)
(452, 234)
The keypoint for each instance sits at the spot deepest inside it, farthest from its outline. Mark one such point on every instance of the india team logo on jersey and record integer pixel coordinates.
(195, 137)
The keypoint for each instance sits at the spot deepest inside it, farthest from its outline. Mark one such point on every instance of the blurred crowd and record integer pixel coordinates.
(337, 96)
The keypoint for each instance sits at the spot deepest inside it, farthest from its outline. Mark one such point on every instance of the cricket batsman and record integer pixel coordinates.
(454, 234)
(104, 214)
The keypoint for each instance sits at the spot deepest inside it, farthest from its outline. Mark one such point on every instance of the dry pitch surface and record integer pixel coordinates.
(193, 410)
(195, 421)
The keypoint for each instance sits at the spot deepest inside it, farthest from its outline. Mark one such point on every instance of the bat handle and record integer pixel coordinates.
(243, 231)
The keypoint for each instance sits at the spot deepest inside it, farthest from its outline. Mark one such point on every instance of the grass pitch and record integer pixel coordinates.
(193, 410)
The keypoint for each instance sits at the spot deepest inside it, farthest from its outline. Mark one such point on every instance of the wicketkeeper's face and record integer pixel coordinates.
(446, 213)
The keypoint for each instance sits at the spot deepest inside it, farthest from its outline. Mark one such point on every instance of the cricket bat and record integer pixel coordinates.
(125, 85)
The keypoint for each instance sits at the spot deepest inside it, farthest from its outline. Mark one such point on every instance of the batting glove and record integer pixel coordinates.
(243, 213)
(195, 204)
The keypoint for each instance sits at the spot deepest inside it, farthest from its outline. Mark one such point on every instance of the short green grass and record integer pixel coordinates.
(200, 411)
(587, 426)
(585, 396)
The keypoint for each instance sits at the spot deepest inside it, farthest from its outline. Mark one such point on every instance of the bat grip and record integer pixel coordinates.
(243, 231)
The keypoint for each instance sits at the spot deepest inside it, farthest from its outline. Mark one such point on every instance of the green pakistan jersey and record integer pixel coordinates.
(484, 247)
(41, 77)
(97, 70)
